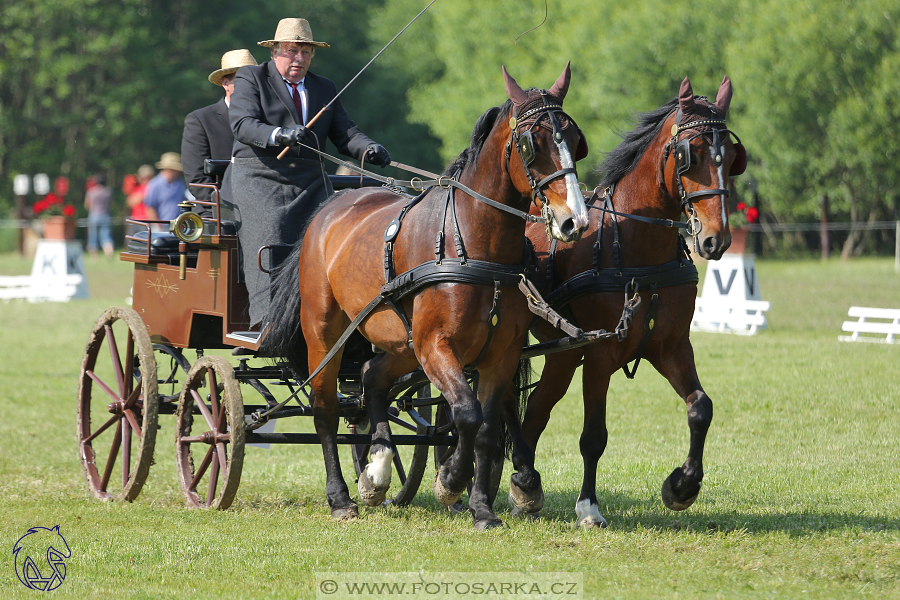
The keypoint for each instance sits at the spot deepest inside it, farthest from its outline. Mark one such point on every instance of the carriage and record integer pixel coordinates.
(188, 295)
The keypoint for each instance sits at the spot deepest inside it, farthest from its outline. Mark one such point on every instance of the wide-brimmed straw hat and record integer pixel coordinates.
(293, 30)
(170, 160)
(231, 62)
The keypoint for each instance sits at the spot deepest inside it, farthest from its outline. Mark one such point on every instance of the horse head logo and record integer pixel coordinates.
(40, 556)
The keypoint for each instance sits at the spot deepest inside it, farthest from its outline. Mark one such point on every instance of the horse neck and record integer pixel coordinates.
(641, 192)
(489, 233)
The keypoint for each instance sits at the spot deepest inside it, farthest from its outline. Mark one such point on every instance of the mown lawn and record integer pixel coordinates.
(801, 497)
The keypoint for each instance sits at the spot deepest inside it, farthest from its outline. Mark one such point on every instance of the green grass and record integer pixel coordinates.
(801, 496)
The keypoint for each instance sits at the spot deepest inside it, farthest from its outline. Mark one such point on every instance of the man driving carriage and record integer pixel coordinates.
(271, 105)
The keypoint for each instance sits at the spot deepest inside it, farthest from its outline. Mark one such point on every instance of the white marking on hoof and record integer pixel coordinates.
(589, 515)
(379, 468)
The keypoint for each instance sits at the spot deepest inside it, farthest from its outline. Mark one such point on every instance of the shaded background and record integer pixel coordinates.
(102, 85)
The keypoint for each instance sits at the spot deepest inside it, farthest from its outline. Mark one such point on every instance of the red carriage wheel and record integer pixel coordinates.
(210, 423)
(118, 383)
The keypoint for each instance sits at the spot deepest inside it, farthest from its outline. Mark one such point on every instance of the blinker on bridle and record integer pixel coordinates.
(524, 143)
(681, 151)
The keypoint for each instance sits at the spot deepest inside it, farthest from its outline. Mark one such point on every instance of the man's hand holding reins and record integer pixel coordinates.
(292, 136)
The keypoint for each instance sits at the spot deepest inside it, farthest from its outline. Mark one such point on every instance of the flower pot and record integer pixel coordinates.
(738, 241)
(58, 228)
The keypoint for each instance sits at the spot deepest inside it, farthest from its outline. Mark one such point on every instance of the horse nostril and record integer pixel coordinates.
(567, 227)
(710, 244)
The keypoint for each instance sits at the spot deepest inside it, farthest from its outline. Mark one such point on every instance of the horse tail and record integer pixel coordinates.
(283, 337)
(521, 387)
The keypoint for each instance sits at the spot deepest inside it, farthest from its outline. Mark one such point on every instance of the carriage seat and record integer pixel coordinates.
(161, 244)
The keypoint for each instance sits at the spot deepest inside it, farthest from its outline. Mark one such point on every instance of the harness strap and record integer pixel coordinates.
(493, 321)
(539, 307)
(419, 185)
(608, 280)
(649, 326)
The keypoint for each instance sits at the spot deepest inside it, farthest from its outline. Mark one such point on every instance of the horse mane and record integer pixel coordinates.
(625, 157)
(480, 132)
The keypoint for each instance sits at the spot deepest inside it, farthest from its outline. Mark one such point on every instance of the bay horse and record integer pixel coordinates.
(445, 310)
(677, 161)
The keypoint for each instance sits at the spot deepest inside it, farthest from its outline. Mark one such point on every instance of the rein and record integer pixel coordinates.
(420, 185)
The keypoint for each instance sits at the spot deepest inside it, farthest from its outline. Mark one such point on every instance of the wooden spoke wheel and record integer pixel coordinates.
(209, 442)
(171, 368)
(410, 462)
(117, 406)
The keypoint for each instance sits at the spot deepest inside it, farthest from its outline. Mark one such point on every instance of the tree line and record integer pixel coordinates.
(100, 85)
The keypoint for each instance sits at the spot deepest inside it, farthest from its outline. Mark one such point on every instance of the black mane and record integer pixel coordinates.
(483, 128)
(626, 155)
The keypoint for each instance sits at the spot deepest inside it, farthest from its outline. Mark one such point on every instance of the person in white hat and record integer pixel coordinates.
(207, 131)
(270, 108)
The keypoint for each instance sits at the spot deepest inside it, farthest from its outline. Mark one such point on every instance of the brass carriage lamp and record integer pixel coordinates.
(187, 227)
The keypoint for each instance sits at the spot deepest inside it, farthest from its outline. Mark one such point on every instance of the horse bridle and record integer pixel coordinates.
(525, 145)
(681, 151)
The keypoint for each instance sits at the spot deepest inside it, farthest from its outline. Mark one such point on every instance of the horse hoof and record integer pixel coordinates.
(485, 524)
(526, 502)
(593, 522)
(371, 494)
(350, 513)
(516, 513)
(671, 499)
(456, 508)
(443, 495)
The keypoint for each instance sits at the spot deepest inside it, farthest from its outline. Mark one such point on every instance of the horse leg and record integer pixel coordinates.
(326, 410)
(445, 372)
(378, 375)
(594, 435)
(682, 486)
(526, 494)
(486, 446)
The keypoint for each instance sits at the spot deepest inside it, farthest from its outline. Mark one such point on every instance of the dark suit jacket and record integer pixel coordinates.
(207, 134)
(261, 102)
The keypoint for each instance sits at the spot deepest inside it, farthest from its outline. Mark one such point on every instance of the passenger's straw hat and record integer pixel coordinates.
(231, 62)
(293, 30)
(170, 160)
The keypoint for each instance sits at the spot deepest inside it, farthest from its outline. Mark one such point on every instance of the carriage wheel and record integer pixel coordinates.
(410, 462)
(218, 438)
(122, 391)
(171, 368)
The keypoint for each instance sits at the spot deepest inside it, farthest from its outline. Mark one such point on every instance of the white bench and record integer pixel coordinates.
(887, 324)
(726, 315)
(38, 289)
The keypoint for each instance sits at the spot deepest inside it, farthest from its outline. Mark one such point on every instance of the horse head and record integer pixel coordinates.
(697, 162)
(547, 143)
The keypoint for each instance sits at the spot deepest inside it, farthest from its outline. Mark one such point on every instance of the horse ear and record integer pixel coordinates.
(686, 95)
(561, 86)
(723, 99)
(513, 90)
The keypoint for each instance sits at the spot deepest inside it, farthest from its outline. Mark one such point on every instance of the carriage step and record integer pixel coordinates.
(244, 336)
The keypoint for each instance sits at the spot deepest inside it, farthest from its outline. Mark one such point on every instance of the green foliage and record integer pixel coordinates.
(95, 84)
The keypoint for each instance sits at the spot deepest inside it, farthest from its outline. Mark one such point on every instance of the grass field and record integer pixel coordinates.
(801, 497)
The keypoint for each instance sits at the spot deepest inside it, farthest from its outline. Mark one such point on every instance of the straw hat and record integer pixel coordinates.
(231, 62)
(293, 30)
(170, 160)
(146, 171)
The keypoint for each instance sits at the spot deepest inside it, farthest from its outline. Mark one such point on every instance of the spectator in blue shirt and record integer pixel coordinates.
(167, 190)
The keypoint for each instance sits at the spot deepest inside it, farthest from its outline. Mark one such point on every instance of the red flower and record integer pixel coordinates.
(741, 206)
(68, 210)
(752, 214)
